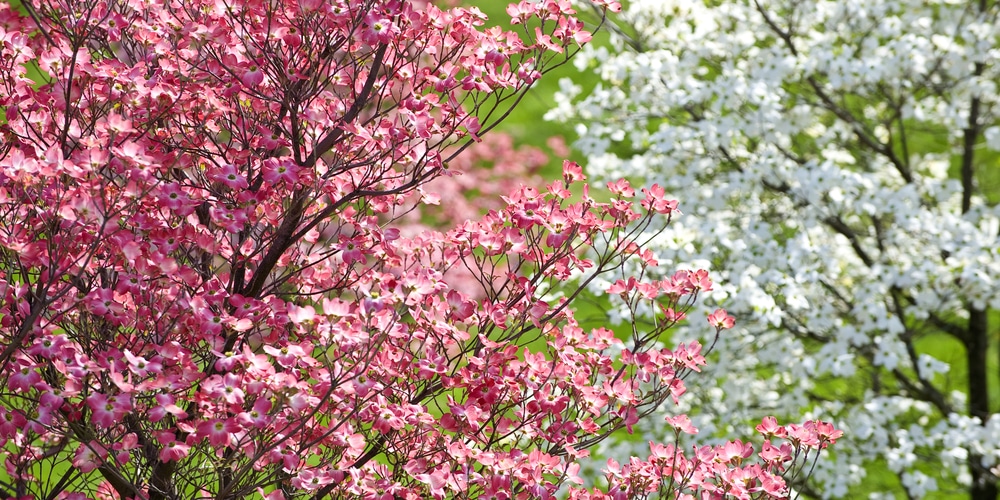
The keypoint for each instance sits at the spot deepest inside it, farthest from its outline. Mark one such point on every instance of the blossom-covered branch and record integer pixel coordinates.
(207, 293)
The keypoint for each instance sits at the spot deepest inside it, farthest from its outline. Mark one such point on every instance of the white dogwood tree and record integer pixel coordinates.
(838, 166)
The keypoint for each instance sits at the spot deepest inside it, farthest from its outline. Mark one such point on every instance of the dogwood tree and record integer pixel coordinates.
(837, 165)
(206, 293)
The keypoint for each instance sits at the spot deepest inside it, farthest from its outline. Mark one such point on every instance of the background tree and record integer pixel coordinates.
(837, 163)
(206, 293)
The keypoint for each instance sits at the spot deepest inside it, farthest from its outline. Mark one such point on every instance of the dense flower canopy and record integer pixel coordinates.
(207, 292)
(836, 161)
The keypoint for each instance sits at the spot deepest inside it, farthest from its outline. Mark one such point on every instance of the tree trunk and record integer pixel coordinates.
(977, 344)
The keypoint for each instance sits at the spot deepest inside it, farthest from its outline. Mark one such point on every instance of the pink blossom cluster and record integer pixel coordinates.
(206, 292)
(729, 470)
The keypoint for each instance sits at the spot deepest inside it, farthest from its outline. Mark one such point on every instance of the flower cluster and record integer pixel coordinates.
(724, 471)
(837, 165)
(207, 292)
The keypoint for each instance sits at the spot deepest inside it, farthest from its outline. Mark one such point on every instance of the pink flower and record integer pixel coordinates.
(48, 346)
(82, 208)
(218, 432)
(622, 287)
(352, 250)
(803, 435)
(572, 172)
(773, 485)
(682, 423)
(825, 431)
(545, 41)
(102, 303)
(140, 366)
(522, 11)
(308, 6)
(297, 315)
(170, 449)
(229, 176)
(119, 124)
(378, 29)
(106, 411)
(287, 356)
(621, 187)
(700, 281)
(165, 406)
(775, 456)
(769, 428)
(89, 456)
(689, 356)
(277, 171)
(629, 416)
(670, 315)
(570, 28)
(252, 77)
(258, 416)
(50, 404)
(23, 378)
(232, 220)
(735, 452)
(661, 453)
(721, 320)
(460, 307)
(20, 165)
(472, 124)
(656, 202)
(225, 388)
(228, 361)
(310, 480)
(11, 422)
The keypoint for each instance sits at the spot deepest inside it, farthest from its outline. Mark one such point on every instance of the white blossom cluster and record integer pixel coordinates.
(817, 149)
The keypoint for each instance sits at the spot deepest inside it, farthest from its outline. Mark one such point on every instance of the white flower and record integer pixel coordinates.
(813, 148)
(918, 484)
(992, 135)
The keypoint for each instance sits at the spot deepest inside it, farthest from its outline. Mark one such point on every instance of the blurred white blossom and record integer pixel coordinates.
(816, 149)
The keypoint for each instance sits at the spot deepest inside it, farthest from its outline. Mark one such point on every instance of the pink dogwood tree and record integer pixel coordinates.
(206, 294)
